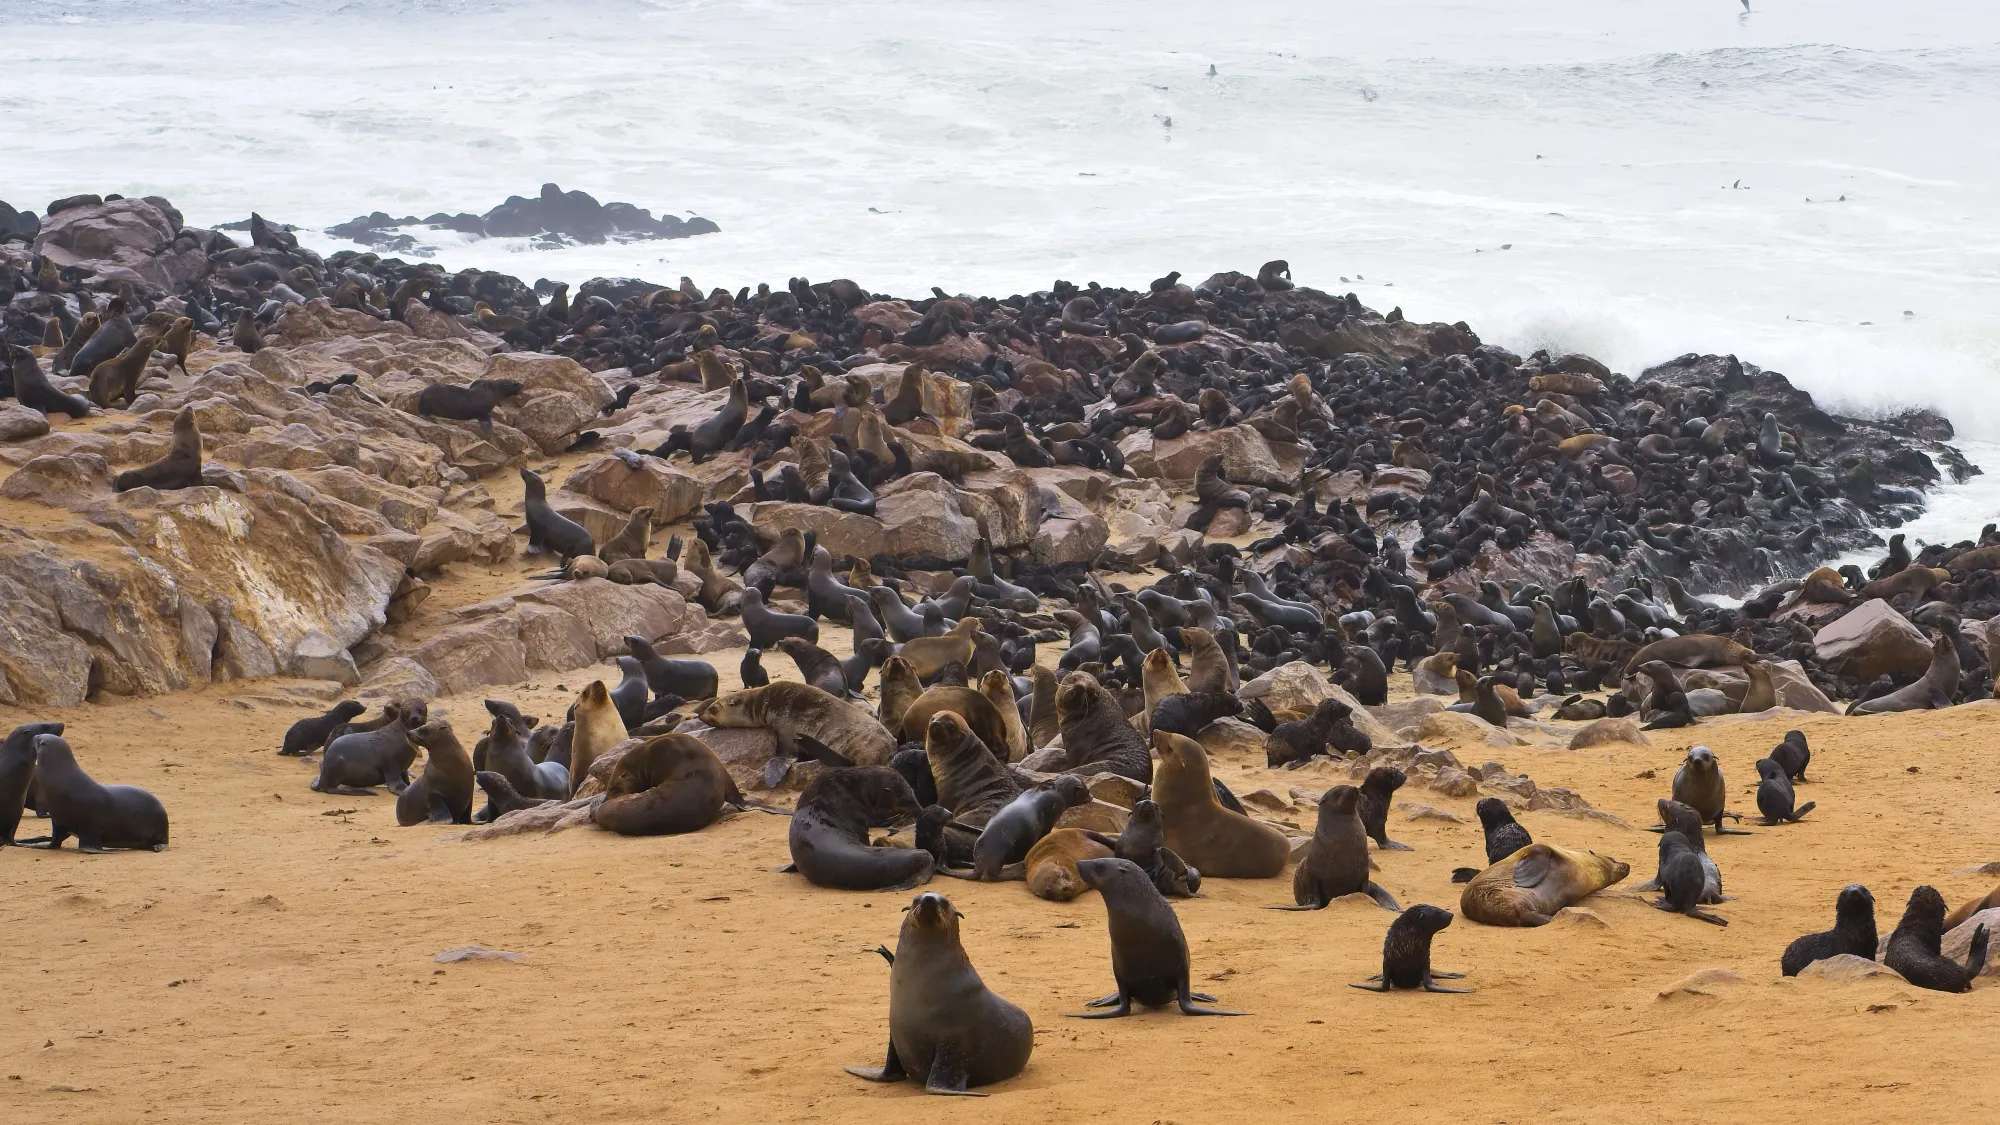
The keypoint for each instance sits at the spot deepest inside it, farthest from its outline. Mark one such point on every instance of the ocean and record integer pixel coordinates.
(1813, 186)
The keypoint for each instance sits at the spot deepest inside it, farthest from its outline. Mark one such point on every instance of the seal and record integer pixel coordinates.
(632, 692)
(1676, 817)
(506, 754)
(1051, 863)
(1336, 862)
(1189, 713)
(633, 541)
(472, 403)
(1698, 785)
(1935, 689)
(1209, 669)
(667, 785)
(929, 655)
(900, 689)
(442, 793)
(1916, 947)
(1669, 703)
(689, 679)
(1149, 953)
(1406, 953)
(1682, 879)
(1696, 650)
(1793, 754)
(972, 706)
(1331, 728)
(944, 1023)
(355, 763)
(103, 817)
(548, 529)
(501, 797)
(1504, 836)
(35, 391)
(1853, 932)
(1095, 734)
(1005, 839)
(998, 689)
(790, 710)
(1825, 587)
(1762, 694)
(1972, 906)
(17, 770)
(1529, 886)
(1775, 796)
(307, 736)
(1376, 789)
(596, 727)
(971, 782)
(767, 626)
(817, 666)
(1436, 674)
(180, 468)
(1219, 842)
(1144, 842)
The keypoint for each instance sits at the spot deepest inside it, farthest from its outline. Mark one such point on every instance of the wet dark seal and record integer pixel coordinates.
(945, 1025)
(1504, 836)
(1004, 842)
(1406, 953)
(1775, 796)
(548, 529)
(1916, 948)
(308, 736)
(103, 817)
(1149, 953)
(829, 831)
(1682, 880)
(1853, 932)
(1336, 862)
(667, 785)
(1376, 790)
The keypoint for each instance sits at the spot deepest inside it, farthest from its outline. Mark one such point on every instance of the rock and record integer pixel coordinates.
(540, 820)
(1600, 732)
(1097, 816)
(555, 640)
(743, 751)
(1872, 639)
(1408, 713)
(1701, 982)
(473, 655)
(1459, 727)
(128, 234)
(1247, 458)
(919, 522)
(1300, 687)
(318, 657)
(1434, 760)
(1579, 916)
(1059, 541)
(612, 612)
(1958, 942)
(1229, 523)
(398, 677)
(1234, 740)
(1263, 800)
(1429, 812)
(1116, 789)
(1300, 845)
(1846, 968)
(1453, 782)
(18, 423)
(1048, 759)
(60, 480)
(672, 494)
(700, 636)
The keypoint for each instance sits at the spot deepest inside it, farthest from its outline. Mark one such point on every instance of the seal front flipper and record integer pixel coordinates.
(1382, 897)
(1188, 1007)
(1432, 986)
(1379, 984)
(948, 1073)
(787, 869)
(776, 770)
(890, 1071)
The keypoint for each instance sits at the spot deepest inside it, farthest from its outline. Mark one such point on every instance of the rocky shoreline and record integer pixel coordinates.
(1341, 453)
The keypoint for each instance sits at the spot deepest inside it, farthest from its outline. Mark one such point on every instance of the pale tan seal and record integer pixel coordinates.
(1529, 886)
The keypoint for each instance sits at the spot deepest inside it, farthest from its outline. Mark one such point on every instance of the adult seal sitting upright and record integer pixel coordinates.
(101, 817)
(1219, 842)
(946, 1028)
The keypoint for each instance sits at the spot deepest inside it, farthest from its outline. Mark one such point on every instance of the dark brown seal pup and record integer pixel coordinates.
(1406, 953)
(472, 403)
(501, 797)
(1793, 754)
(1669, 703)
(180, 468)
(1853, 932)
(506, 742)
(1376, 790)
(1504, 836)
(1684, 820)
(1221, 843)
(1336, 861)
(689, 679)
(307, 736)
(103, 817)
(354, 763)
(1004, 841)
(1682, 880)
(1775, 796)
(1149, 953)
(548, 529)
(1916, 946)
(946, 1027)
(1331, 728)
(1095, 733)
(1528, 887)
(829, 831)
(1144, 842)
(17, 769)
(442, 794)
(667, 785)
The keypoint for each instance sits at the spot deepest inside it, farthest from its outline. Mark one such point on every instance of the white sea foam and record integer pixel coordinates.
(1669, 176)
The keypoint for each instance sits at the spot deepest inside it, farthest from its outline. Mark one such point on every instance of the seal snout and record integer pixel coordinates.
(932, 909)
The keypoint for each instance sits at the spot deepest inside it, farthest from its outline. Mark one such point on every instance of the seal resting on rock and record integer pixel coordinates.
(790, 710)
(1528, 887)
(1916, 946)
(1220, 843)
(548, 529)
(1020, 824)
(945, 1026)
(180, 468)
(1853, 932)
(1149, 953)
(1406, 953)
(667, 785)
(473, 403)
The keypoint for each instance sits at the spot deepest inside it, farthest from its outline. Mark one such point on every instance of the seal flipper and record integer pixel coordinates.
(1465, 874)
(1188, 1007)
(776, 770)
(440, 811)
(889, 957)
(949, 1074)
(1123, 1000)
(890, 1071)
(1534, 867)
(1382, 898)
(1432, 986)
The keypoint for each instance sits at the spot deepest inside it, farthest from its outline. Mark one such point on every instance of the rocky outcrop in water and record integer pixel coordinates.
(553, 218)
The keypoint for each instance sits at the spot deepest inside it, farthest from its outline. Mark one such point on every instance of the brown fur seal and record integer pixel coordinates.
(180, 468)
(1698, 785)
(116, 379)
(354, 763)
(1043, 724)
(307, 736)
(548, 529)
(598, 727)
(998, 689)
(471, 403)
(927, 655)
(1220, 843)
(1208, 667)
(667, 785)
(1436, 674)
(900, 689)
(1504, 836)
(1825, 587)
(1336, 862)
(1528, 887)
(1149, 953)
(1051, 863)
(17, 771)
(1853, 933)
(1095, 733)
(1916, 946)
(1406, 953)
(1933, 690)
(828, 837)
(1965, 910)
(1762, 694)
(631, 543)
(1007, 836)
(1696, 650)
(790, 710)
(946, 1028)
(977, 711)
(1677, 817)
(442, 794)
(1144, 842)
(1159, 678)
(1916, 580)
(101, 817)
(971, 782)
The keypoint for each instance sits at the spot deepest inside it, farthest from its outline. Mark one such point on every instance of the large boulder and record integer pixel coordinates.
(1247, 458)
(673, 495)
(612, 612)
(1300, 687)
(123, 234)
(477, 653)
(18, 423)
(1870, 640)
(920, 515)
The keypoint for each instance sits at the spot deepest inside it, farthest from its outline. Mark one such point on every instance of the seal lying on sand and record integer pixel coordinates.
(1528, 887)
